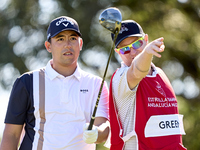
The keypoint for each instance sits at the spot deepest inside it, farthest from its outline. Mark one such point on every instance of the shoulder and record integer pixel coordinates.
(26, 80)
(163, 75)
(120, 78)
(26, 76)
(29, 75)
(120, 72)
(160, 71)
(22, 86)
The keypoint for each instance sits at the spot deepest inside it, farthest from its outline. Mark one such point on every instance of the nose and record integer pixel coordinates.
(67, 44)
(133, 51)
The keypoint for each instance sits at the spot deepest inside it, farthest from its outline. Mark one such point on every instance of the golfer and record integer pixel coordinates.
(54, 104)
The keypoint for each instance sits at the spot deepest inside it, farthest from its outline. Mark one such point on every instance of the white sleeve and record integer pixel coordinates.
(120, 84)
(102, 109)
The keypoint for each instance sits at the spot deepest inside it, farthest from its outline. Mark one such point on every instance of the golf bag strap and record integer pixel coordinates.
(41, 107)
(116, 141)
(128, 136)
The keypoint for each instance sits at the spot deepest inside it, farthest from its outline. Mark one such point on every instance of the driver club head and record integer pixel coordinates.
(111, 19)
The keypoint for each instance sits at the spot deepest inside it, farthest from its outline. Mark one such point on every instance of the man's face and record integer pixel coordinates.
(128, 57)
(65, 48)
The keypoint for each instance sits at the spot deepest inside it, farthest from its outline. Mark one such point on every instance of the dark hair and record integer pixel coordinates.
(49, 40)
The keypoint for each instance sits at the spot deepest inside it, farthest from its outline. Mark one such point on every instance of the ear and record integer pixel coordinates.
(116, 51)
(80, 43)
(146, 38)
(48, 46)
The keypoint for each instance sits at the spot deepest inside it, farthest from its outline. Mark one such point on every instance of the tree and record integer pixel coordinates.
(23, 26)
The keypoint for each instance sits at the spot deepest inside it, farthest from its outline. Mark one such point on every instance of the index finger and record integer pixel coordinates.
(160, 39)
(158, 42)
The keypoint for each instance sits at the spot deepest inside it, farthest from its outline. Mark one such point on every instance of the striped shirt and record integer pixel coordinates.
(69, 103)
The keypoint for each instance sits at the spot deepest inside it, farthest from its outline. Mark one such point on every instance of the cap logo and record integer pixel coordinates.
(123, 28)
(64, 20)
(65, 24)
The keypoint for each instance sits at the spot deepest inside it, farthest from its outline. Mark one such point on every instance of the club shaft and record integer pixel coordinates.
(101, 87)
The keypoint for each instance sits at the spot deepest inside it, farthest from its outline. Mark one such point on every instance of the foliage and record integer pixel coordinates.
(23, 26)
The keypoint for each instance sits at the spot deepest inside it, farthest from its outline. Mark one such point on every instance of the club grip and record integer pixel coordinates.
(95, 108)
(91, 124)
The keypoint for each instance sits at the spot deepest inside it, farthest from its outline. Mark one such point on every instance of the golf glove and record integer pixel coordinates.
(90, 136)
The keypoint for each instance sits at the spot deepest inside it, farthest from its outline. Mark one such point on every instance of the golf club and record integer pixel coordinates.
(110, 19)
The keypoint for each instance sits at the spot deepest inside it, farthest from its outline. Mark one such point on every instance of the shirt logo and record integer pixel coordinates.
(160, 89)
(84, 90)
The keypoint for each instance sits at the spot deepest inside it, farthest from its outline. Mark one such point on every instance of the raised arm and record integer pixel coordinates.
(142, 62)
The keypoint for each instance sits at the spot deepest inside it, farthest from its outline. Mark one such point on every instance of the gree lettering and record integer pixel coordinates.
(169, 124)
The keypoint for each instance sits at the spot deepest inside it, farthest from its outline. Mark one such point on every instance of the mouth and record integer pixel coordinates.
(67, 54)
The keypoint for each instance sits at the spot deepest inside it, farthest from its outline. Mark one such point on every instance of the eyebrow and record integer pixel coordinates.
(62, 35)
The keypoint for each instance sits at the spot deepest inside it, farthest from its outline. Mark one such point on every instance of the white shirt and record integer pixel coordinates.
(69, 103)
(125, 102)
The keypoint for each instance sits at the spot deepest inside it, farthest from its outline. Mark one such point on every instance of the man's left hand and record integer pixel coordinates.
(90, 136)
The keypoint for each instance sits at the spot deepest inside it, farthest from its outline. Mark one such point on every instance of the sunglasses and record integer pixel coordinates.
(126, 49)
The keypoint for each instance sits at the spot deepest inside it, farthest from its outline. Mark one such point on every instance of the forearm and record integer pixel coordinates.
(139, 69)
(9, 143)
(11, 137)
(103, 131)
(142, 63)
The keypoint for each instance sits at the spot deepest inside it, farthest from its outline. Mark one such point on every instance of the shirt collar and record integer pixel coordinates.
(155, 71)
(52, 74)
(123, 64)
